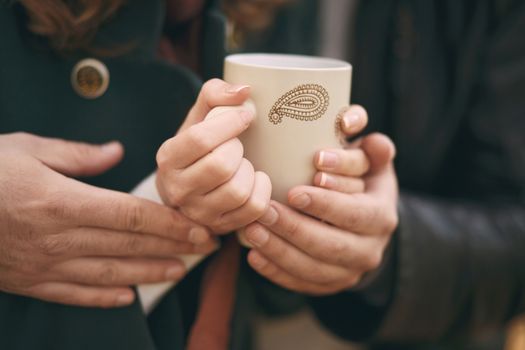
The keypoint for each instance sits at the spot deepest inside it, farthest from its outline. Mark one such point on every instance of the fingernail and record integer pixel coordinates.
(174, 272)
(351, 121)
(258, 260)
(257, 236)
(328, 160)
(111, 147)
(235, 89)
(246, 116)
(301, 200)
(326, 180)
(270, 217)
(124, 299)
(198, 235)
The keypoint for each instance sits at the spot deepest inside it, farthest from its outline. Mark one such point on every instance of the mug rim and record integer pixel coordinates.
(288, 62)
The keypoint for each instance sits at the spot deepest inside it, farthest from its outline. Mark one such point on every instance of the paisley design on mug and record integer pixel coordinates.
(338, 127)
(306, 102)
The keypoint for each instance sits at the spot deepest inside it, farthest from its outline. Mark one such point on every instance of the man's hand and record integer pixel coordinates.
(336, 234)
(67, 242)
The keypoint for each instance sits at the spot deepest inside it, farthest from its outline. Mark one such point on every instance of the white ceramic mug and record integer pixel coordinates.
(298, 100)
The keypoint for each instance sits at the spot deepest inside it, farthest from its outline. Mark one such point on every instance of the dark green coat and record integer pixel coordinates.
(146, 101)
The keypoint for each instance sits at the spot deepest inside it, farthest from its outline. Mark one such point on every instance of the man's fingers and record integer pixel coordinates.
(291, 259)
(339, 183)
(200, 139)
(92, 241)
(346, 162)
(214, 93)
(379, 149)
(354, 120)
(360, 213)
(69, 157)
(318, 239)
(86, 205)
(118, 272)
(80, 295)
(277, 275)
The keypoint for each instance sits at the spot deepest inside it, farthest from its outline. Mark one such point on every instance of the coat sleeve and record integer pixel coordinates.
(458, 264)
(459, 268)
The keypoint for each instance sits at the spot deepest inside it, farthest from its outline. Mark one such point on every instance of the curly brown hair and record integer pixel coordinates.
(72, 24)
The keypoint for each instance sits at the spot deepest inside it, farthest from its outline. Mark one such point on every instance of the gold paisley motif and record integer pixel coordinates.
(306, 102)
(339, 133)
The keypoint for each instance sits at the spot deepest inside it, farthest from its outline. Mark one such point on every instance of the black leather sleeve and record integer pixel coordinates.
(460, 267)
(459, 262)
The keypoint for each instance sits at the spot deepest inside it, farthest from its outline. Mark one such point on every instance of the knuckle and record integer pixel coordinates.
(23, 137)
(221, 166)
(279, 251)
(220, 225)
(239, 194)
(257, 206)
(55, 207)
(134, 217)
(133, 245)
(163, 156)
(198, 138)
(391, 222)
(321, 201)
(292, 228)
(355, 216)
(373, 260)
(108, 273)
(175, 194)
(198, 213)
(353, 280)
(210, 87)
(54, 245)
(336, 250)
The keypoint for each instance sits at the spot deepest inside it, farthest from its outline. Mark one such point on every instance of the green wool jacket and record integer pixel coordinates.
(145, 103)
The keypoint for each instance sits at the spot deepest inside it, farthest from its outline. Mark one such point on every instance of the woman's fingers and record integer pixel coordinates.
(214, 93)
(251, 210)
(234, 193)
(209, 172)
(80, 295)
(200, 139)
(92, 241)
(111, 272)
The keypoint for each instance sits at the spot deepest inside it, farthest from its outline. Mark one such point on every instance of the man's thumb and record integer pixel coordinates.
(379, 149)
(79, 159)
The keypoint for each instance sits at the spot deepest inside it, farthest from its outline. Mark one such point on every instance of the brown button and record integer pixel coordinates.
(90, 78)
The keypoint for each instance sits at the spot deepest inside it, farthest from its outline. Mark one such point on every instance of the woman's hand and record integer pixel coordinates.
(202, 170)
(67, 242)
(337, 233)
